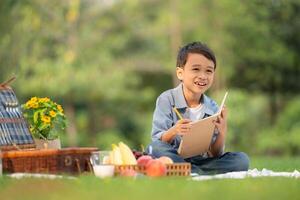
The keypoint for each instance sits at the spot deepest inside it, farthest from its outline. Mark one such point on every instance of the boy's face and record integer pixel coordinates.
(197, 75)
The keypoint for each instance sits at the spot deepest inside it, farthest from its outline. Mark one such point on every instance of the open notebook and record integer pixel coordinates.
(198, 140)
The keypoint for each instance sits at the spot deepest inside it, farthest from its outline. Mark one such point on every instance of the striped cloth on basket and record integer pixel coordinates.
(13, 127)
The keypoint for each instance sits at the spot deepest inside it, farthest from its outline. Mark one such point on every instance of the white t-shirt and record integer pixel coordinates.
(196, 113)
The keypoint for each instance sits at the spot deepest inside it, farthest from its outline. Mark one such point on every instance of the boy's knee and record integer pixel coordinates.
(157, 147)
(242, 161)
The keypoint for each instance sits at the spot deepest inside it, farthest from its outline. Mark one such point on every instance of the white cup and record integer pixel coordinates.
(104, 171)
(100, 158)
(100, 163)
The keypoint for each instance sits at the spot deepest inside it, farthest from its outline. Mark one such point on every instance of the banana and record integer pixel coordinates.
(127, 156)
(117, 156)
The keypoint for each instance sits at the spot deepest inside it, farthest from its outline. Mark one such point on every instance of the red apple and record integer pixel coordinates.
(143, 160)
(166, 160)
(155, 168)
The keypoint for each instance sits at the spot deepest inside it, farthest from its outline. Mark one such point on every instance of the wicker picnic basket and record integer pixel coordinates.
(175, 169)
(52, 161)
(18, 147)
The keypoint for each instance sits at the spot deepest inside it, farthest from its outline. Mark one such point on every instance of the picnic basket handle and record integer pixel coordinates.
(5, 83)
(89, 165)
(78, 165)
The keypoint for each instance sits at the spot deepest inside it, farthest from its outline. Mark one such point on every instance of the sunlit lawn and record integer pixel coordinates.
(90, 187)
(275, 163)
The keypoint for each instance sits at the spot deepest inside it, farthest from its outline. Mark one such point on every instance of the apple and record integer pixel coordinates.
(156, 168)
(166, 160)
(143, 160)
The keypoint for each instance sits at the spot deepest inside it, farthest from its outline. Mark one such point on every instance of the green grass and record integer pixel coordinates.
(90, 187)
(275, 163)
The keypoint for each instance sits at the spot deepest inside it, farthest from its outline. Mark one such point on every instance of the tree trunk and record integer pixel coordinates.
(93, 119)
(71, 127)
(175, 35)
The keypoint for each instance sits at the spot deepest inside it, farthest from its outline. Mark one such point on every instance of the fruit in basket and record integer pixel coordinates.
(137, 154)
(143, 160)
(121, 154)
(128, 173)
(156, 168)
(127, 156)
(166, 160)
(116, 156)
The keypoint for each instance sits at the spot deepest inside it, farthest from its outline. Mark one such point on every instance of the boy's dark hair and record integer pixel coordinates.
(194, 47)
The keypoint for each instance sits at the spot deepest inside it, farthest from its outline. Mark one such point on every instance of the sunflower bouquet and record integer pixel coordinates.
(46, 118)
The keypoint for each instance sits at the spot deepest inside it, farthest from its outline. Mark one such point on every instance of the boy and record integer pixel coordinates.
(196, 65)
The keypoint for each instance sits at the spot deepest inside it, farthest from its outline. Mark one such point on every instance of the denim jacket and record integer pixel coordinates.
(164, 116)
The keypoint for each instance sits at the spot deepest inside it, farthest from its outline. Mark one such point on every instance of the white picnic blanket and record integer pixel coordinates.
(231, 175)
(31, 175)
(245, 174)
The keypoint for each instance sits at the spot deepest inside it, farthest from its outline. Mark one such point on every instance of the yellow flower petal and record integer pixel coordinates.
(60, 109)
(34, 99)
(46, 119)
(52, 113)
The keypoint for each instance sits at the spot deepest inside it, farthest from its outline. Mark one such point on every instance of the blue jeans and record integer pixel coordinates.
(228, 162)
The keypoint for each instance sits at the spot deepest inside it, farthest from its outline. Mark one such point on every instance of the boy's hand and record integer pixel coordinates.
(182, 126)
(221, 122)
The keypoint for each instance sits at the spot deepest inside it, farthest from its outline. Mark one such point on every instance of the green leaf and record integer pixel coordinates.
(36, 117)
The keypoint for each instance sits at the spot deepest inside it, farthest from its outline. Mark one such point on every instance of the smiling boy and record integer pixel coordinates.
(196, 65)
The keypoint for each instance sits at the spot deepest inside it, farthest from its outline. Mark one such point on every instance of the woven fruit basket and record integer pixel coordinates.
(175, 169)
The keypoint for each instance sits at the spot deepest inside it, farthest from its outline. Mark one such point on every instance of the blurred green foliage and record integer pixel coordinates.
(107, 61)
(283, 137)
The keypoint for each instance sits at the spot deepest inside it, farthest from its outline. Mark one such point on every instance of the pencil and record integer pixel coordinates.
(178, 114)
